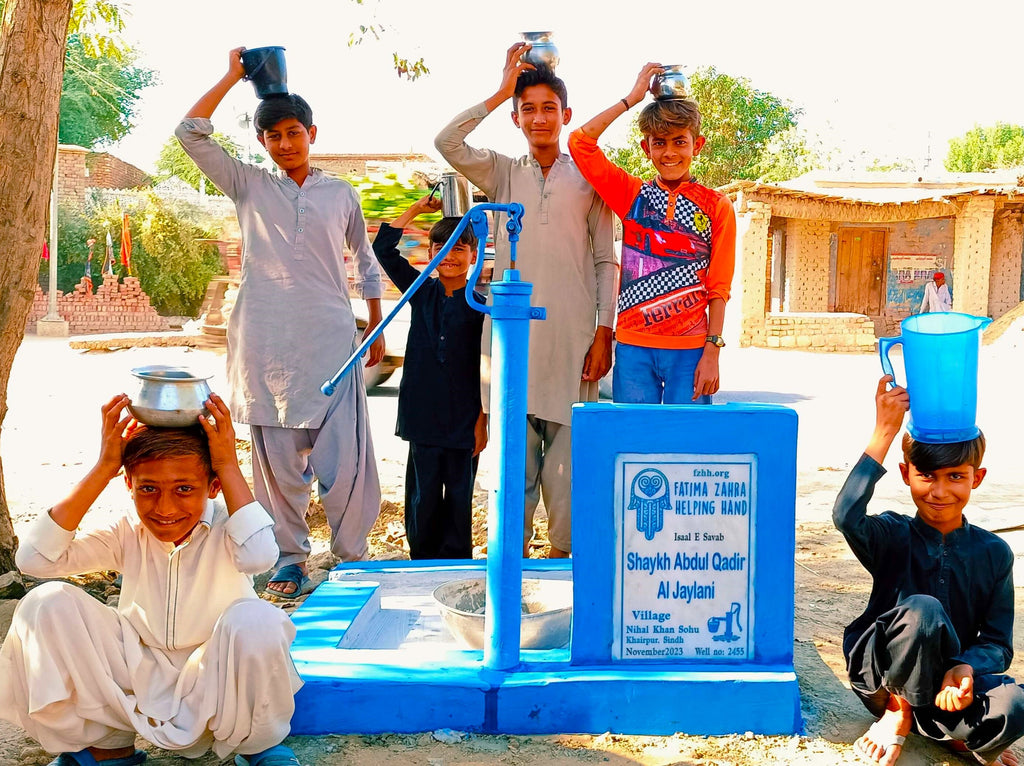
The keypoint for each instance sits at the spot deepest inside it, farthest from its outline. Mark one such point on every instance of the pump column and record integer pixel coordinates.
(510, 344)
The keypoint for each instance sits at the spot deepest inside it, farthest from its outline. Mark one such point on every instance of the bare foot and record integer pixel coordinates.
(883, 742)
(1006, 758)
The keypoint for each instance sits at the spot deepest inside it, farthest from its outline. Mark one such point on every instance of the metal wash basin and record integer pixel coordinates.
(546, 612)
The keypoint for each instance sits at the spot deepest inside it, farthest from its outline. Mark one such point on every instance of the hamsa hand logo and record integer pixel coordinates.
(650, 498)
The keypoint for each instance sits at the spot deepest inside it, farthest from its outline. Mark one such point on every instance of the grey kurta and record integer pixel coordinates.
(292, 325)
(566, 250)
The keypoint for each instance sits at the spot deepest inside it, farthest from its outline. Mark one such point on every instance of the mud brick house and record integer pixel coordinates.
(832, 264)
(80, 169)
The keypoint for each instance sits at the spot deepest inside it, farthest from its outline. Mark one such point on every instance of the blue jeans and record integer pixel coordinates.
(655, 375)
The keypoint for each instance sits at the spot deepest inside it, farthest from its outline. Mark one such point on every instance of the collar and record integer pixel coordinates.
(932, 535)
(661, 185)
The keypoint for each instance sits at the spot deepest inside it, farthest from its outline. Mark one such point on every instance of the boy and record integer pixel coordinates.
(291, 327)
(930, 649)
(678, 253)
(566, 250)
(191, 659)
(439, 410)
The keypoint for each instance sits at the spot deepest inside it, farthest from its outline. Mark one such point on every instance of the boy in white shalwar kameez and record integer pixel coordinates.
(191, 659)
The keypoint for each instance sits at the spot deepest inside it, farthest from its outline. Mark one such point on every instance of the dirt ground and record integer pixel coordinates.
(831, 394)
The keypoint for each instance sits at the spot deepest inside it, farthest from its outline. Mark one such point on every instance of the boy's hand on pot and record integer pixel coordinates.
(891, 404)
(429, 204)
(235, 68)
(514, 66)
(643, 83)
(114, 430)
(220, 433)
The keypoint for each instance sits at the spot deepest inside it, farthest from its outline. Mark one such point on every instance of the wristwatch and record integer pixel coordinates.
(717, 340)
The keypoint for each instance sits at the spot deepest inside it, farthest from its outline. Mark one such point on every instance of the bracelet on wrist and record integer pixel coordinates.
(625, 103)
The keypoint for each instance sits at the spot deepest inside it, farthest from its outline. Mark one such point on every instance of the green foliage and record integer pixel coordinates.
(999, 146)
(173, 264)
(385, 201)
(99, 24)
(99, 96)
(739, 123)
(404, 67)
(174, 162)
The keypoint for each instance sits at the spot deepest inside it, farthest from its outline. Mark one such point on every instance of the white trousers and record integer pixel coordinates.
(549, 474)
(74, 674)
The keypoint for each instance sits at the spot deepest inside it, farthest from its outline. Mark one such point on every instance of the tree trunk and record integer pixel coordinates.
(32, 38)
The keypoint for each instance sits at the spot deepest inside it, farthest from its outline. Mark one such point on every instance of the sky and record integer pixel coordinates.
(879, 79)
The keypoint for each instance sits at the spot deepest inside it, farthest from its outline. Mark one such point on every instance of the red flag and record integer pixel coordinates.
(126, 244)
(46, 252)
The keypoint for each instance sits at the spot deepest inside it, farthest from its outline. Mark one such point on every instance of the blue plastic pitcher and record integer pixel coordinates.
(940, 356)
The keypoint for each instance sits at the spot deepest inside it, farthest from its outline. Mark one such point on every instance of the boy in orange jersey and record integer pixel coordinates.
(678, 253)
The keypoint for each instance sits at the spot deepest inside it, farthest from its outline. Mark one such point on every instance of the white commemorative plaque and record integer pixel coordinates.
(683, 571)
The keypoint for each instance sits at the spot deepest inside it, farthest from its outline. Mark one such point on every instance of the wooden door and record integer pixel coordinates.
(860, 270)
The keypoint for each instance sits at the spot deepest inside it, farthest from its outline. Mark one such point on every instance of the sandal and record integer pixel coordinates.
(291, 573)
(85, 758)
(278, 755)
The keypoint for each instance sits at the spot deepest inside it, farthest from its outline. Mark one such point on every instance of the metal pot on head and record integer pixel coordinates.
(543, 51)
(455, 197)
(670, 83)
(170, 397)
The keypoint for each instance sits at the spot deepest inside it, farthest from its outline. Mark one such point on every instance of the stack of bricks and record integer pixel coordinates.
(821, 332)
(114, 308)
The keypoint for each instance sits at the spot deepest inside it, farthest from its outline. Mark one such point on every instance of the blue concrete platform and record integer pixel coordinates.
(415, 678)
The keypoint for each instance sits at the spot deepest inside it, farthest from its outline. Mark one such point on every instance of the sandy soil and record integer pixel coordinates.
(49, 438)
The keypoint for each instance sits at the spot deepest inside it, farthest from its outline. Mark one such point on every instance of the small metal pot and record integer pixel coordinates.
(455, 197)
(543, 52)
(170, 397)
(670, 83)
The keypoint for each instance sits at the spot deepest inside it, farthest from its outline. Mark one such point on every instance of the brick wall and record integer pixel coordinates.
(752, 248)
(115, 307)
(72, 175)
(820, 332)
(1004, 289)
(807, 265)
(108, 172)
(972, 255)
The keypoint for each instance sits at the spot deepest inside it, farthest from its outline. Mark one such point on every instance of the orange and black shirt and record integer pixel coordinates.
(678, 251)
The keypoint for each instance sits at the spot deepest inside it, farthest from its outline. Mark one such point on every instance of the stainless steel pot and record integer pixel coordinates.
(670, 83)
(170, 397)
(455, 197)
(543, 52)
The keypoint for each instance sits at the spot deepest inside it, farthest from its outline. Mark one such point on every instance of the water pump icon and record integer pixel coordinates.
(729, 618)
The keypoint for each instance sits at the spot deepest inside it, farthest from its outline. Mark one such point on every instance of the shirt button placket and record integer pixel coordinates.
(300, 227)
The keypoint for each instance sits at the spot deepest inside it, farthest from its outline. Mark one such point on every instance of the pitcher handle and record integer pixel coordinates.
(884, 344)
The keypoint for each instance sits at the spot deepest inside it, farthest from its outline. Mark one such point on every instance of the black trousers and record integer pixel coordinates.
(907, 652)
(439, 502)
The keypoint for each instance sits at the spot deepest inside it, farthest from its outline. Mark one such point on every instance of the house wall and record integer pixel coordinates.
(972, 255)
(1004, 289)
(72, 175)
(807, 265)
(108, 172)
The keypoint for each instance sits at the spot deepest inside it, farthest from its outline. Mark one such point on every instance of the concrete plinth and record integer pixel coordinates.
(52, 328)
(404, 673)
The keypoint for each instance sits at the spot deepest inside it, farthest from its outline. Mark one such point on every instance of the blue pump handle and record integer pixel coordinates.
(475, 216)
(884, 344)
